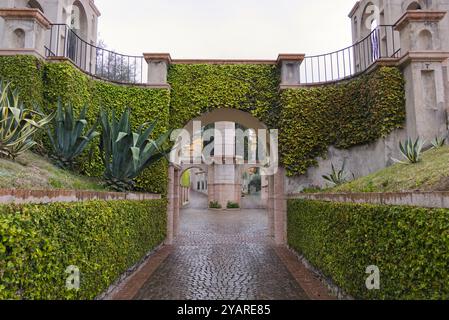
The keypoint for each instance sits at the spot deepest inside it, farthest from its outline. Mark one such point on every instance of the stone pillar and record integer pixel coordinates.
(23, 31)
(270, 206)
(225, 178)
(423, 68)
(158, 64)
(279, 208)
(176, 201)
(171, 204)
(289, 65)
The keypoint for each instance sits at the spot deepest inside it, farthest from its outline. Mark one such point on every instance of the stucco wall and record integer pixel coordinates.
(360, 161)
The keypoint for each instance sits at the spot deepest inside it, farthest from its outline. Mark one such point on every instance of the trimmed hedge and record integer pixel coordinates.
(102, 238)
(343, 115)
(409, 245)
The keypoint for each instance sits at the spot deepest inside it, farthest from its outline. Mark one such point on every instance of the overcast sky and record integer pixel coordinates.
(257, 29)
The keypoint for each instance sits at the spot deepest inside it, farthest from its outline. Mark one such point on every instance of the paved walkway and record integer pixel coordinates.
(222, 255)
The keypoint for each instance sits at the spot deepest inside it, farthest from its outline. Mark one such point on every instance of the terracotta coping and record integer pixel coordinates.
(158, 57)
(290, 57)
(424, 56)
(419, 16)
(26, 13)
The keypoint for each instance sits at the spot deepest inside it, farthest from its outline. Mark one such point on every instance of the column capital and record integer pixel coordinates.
(25, 14)
(419, 16)
(290, 57)
(289, 64)
(158, 64)
(157, 57)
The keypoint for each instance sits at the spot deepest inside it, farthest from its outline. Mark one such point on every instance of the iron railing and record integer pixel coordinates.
(383, 42)
(94, 60)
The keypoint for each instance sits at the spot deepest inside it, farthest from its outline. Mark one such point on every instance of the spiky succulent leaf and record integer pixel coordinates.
(126, 153)
(17, 123)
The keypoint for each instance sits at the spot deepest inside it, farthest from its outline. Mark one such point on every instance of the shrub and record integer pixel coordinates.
(17, 123)
(126, 153)
(233, 205)
(68, 138)
(411, 151)
(214, 205)
(336, 177)
(438, 142)
(408, 244)
(102, 238)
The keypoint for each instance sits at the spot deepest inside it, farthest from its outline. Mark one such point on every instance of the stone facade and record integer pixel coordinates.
(20, 31)
(422, 29)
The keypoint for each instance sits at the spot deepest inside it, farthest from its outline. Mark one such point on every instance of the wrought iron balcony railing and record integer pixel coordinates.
(94, 60)
(382, 42)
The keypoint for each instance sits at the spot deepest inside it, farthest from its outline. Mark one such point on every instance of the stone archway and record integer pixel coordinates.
(276, 202)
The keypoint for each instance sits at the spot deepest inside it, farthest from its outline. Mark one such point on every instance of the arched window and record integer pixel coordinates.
(425, 40)
(35, 5)
(78, 19)
(414, 6)
(18, 39)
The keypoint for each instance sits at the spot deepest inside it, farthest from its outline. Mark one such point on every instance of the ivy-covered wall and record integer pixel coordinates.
(199, 88)
(310, 120)
(26, 74)
(355, 112)
(53, 81)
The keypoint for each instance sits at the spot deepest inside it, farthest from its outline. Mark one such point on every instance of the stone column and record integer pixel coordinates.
(171, 204)
(23, 31)
(423, 68)
(226, 182)
(158, 64)
(176, 201)
(280, 208)
(270, 206)
(289, 64)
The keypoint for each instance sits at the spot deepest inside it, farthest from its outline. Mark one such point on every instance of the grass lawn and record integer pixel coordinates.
(31, 171)
(431, 174)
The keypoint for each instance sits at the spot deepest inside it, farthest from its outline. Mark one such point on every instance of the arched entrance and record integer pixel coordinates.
(231, 131)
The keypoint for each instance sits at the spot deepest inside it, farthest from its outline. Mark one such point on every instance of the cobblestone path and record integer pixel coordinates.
(222, 255)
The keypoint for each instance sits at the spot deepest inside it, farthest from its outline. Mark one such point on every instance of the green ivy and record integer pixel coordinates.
(68, 83)
(201, 88)
(26, 74)
(101, 238)
(310, 120)
(409, 245)
(343, 115)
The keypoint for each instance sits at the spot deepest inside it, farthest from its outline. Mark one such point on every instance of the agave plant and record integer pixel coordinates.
(336, 177)
(125, 153)
(67, 138)
(17, 124)
(411, 151)
(438, 142)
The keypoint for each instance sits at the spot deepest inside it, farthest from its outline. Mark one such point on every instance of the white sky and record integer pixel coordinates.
(225, 29)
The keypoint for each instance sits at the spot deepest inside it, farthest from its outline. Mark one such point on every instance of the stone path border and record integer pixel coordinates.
(309, 282)
(128, 289)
